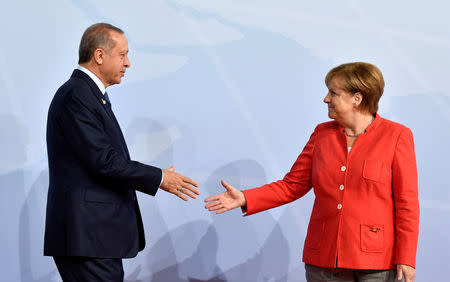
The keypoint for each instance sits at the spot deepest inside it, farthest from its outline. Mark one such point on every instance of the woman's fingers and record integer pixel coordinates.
(225, 201)
(215, 207)
(399, 273)
(222, 210)
(406, 272)
(214, 201)
(213, 198)
(213, 204)
(227, 186)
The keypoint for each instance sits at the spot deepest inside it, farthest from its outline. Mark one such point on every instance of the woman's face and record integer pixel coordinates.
(340, 102)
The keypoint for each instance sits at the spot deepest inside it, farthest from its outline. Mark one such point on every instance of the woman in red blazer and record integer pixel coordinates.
(362, 169)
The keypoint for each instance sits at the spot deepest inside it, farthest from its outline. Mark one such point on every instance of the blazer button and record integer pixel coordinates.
(339, 206)
(343, 168)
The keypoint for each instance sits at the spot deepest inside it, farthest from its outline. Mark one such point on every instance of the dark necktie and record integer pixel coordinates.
(106, 97)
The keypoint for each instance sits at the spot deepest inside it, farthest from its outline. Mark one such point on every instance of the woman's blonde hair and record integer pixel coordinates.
(361, 77)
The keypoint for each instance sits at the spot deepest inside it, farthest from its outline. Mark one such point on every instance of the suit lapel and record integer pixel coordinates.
(105, 105)
(113, 117)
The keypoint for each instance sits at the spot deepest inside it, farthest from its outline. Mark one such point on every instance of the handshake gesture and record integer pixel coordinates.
(182, 186)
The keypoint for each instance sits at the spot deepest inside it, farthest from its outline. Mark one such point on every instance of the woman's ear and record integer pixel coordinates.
(357, 98)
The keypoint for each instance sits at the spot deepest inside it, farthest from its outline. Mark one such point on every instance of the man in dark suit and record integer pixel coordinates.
(93, 218)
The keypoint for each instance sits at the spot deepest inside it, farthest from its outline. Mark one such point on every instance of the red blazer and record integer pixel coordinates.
(366, 208)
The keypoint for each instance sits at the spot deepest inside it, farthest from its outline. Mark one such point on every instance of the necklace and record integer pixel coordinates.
(354, 136)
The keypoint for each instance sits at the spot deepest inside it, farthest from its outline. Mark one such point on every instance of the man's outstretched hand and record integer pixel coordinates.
(178, 184)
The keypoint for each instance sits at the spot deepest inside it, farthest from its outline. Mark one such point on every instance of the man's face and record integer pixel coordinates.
(115, 61)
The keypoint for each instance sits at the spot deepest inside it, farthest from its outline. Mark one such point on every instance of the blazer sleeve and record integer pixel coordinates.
(294, 185)
(406, 202)
(84, 133)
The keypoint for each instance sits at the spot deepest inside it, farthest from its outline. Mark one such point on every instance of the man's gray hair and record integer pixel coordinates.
(96, 36)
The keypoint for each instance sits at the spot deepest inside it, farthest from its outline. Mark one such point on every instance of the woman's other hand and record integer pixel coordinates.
(406, 271)
(228, 200)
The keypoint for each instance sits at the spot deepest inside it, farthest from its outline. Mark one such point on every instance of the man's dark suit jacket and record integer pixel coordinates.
(92, 209)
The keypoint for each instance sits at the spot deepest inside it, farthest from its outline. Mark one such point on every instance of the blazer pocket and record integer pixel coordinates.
(315, 231)
(372, 170)
(372, 238)
(102, 195)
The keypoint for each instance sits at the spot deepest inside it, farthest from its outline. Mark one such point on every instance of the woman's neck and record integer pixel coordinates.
(357, 124)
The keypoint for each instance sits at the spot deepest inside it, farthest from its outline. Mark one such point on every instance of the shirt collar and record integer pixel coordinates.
(97, 80)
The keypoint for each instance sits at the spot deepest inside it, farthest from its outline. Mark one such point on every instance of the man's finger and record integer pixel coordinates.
(190, 193)
(190, 181)
(172, 168)
(192, 189)
(182, 196)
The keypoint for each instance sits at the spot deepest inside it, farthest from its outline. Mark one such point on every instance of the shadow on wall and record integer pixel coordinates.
(252, 248)
(231, 248)
(149, 140)
(152, 141)
(12, 190)
(34, 266)
(22, 240)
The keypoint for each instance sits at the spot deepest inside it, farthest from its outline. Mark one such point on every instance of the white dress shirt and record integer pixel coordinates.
(97, 80)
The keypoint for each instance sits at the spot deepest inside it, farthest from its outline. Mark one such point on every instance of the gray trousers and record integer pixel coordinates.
(321, 274)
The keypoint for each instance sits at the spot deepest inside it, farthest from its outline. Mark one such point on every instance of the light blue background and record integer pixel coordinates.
(224, 89)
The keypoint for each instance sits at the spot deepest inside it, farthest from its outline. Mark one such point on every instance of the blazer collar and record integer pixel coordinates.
(375, 123)
(82, 75)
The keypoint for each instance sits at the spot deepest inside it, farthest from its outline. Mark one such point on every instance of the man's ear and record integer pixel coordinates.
(357, 98)
(99, 55)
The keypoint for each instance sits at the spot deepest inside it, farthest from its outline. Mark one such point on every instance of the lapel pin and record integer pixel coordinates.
(103, 101)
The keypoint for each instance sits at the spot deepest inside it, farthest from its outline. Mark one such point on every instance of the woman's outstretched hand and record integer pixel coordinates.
(228, 200)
